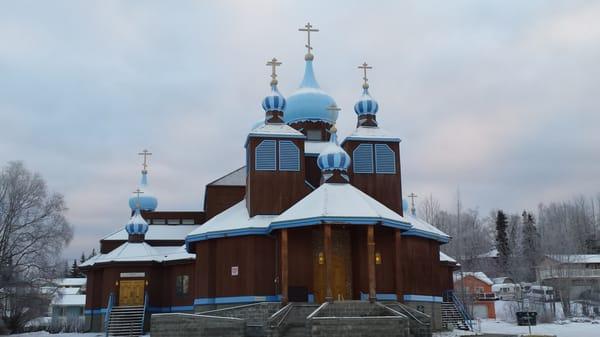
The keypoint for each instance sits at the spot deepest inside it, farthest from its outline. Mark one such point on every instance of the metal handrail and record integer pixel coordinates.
(145, 308)
(111, 300)
(408, 312)
(279, 316)
(461, 309)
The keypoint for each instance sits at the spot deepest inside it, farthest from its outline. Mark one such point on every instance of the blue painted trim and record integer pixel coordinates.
(427, 235)
(91, 312)
(380, 297)
(372, 139)
(311, 298)
(237, 299)
(422, 298)
(171, 309)
(182, 308)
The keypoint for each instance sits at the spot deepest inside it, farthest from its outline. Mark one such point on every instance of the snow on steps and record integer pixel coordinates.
(126, 321)
(451, 318)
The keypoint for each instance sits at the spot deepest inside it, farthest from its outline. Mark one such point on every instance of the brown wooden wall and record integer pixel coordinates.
(272, 192)
(386, 188)
(421, 266)
(313, 172)
(301, 258)
(253, 255)
(218, 198)
(106, 246)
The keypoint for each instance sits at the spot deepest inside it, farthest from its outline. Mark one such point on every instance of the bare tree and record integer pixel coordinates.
(430, 209)
(33, 233)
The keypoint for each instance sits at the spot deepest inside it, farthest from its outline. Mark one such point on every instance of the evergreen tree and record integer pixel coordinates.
(66, 270)
(531, 245)
(82, 258)
(74, 269)
(502, 240)
(92, 254)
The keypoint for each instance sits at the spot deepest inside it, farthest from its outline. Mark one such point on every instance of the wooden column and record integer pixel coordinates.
(398, 265)
(371, 262)
(284, 266)
(328, 262)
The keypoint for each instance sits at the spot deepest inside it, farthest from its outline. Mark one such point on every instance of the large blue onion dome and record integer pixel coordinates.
(333, 157)
(309, 102)
(366, 105)
(147, 201)
(136, 225)
(275, 100)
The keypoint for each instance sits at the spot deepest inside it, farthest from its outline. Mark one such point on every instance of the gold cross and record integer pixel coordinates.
(333, 107)
(274, 64)
(137, 202)
(308, 28)
(145, 153)
(364, 67)
(412, 197)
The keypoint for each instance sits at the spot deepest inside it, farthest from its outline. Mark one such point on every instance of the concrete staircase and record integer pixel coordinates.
(294, 324)
(126, 321)
(451, 317)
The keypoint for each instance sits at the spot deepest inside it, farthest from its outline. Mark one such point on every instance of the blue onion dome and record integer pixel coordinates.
(366, 105)
(136, 225)
(148, 201)
(333, 157)
(309, 102)
(275, 100)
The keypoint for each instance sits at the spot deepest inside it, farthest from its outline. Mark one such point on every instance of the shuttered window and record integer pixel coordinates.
(265, 157)
(385, 159)
(289, 156)
(362, 157)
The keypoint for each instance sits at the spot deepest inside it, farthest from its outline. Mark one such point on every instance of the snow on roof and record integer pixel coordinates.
(370, 133)
(234, 178)
(314, 148)
(423, 228)
(68, 300)
(575, 258)
(156, 233)
(491, 253)
(233, 221)
(71, 282)
(478, 275)
(140, 252)
(338, 203)
(446, 258)
(502, 280)
(275, 130)
(69, 291)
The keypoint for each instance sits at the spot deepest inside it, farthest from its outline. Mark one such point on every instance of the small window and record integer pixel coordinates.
(314, 135)
(265, 159)
(158, 221)
(385, 159)
(182, 285)
(363, 158)
(173, 221)
(289, 156)
(187, 221)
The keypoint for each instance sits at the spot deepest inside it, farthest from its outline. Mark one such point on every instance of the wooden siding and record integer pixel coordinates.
(218, 198)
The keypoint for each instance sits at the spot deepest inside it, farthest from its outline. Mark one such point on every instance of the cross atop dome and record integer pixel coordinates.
(364, 67)
(146, 154)
(274, 64)
(274, 103)
(308, 28)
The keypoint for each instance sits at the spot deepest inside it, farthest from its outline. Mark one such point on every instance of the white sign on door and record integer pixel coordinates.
(235, 271)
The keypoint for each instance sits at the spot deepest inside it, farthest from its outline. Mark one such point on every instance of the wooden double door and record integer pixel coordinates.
(131, 292)
(341, 282)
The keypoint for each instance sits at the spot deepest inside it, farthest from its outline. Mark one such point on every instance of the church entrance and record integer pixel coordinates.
(131, 292)
(341, 264)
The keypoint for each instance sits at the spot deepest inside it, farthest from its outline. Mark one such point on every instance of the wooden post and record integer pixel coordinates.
(398, 265)
(328, 262)
(371, 262)
(284, 266)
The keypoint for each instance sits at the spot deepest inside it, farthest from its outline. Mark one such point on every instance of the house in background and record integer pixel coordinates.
(476, 288)
(69, 301)
(580, 273)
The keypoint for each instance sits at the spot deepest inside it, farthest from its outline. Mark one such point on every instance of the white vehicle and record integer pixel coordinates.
(541, 293)
(507, 291)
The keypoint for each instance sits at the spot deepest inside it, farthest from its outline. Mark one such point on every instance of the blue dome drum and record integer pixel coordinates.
(366, 105)
(136, 225)
(333, 160)
(147, 201)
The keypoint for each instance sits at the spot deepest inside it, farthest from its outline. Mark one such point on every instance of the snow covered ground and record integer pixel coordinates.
(46, 334)
(571, 329)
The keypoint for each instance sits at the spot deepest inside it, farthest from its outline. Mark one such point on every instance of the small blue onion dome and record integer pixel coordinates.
(274, 101)
(148, 202)
(366, 105)
(136, 225)
(333, 157)
(309, 102)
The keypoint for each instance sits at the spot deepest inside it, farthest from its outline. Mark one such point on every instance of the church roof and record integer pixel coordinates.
(140, 252)
(234, 221)
(275, 130)
(156, 233)
(339, 203)
(424, 229)
(234, 178)
(371, 133)
(446, 258)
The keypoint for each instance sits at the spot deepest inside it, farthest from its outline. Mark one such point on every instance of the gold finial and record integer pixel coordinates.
(308, 28)
(145, 153)
(274, 64)
(364, 67)
(333, 129)
(137, 201)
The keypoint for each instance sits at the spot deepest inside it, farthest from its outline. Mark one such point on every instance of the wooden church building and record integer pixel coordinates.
(307, 219)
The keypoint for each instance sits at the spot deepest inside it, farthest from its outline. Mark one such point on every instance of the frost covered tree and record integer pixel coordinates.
(33, 233)
(502, 240)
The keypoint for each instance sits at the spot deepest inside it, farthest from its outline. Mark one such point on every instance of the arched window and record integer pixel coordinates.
(289, 156)
(385, 159)
(265, 158)
(362, 157)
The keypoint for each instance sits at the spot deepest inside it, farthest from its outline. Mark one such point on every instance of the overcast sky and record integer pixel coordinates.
(500, 98)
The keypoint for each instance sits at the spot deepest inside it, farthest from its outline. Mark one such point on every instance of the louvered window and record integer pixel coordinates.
(385, 159)
(362, 157)
(289, 156)
(265, 157)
